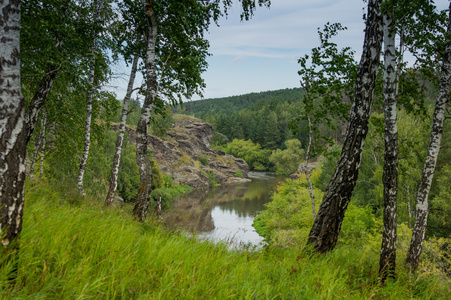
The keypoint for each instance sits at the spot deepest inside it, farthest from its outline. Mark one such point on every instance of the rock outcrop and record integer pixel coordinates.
(186, 155)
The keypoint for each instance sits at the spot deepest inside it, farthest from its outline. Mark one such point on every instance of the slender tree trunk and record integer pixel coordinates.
(143, 161)
(41, 165)
(38, 100)
(38, 146)
(326, 227)
(120, 135)
(303, 167)
(91, 90)
(35, 154)
(422, 205)
(387, 263)
(12, 126)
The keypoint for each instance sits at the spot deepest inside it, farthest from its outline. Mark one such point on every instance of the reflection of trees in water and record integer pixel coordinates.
(193, 212)
(246, 207)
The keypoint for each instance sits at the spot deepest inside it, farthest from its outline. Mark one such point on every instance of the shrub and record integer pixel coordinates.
(239, 174)
(288, 217)
(255, 157)
(158, 178)
(184, 159)
(287, 161)
(203, 160)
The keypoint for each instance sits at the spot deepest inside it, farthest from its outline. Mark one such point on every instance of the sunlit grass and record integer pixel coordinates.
(81, 250)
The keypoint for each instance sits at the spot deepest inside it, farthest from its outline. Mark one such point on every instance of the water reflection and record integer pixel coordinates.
(226, 212)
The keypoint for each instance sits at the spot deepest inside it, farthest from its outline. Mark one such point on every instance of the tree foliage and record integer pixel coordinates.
(286, 161)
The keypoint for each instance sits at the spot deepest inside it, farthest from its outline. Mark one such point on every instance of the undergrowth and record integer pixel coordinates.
(81, 250)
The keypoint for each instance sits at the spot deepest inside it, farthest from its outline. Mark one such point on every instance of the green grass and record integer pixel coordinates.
(73, 250)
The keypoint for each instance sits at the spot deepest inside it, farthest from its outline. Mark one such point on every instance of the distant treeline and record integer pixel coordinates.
(260, 117)
(263, 118)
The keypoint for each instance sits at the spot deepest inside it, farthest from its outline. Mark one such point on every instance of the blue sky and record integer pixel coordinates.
(261, 54)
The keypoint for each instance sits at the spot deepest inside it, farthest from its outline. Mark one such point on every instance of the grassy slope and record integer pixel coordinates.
(84, 251)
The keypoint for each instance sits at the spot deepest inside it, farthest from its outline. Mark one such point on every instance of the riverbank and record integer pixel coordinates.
(83, 250)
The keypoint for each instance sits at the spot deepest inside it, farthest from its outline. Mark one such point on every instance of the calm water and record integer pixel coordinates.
(225, 212)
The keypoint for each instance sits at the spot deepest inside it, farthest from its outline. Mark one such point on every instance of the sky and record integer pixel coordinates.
(261, 54)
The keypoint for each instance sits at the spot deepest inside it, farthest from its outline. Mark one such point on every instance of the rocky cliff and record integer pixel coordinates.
(186, 155)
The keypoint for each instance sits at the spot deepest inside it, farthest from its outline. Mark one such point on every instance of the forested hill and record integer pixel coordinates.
(232, 104)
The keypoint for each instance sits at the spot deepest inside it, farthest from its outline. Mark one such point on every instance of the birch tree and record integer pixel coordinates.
(98, 4)
(39, 145)
(120, 136)
(422, 205)
(326, 227)
(387, 263)
(327, 77)
(12, 126)
(143, 161)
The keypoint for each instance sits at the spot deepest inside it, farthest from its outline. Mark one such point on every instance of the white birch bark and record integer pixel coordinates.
(12, 126)
(326, 227)
(145, 168)
(422, 205)
(91, 90)
(387, 262)
(120, 136)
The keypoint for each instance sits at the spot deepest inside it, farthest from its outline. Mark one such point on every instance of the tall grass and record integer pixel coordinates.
(73, 250)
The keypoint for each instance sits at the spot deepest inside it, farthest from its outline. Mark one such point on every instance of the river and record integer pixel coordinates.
(225, 212)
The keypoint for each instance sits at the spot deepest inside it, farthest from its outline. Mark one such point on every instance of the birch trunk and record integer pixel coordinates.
(326, 227)
(37, 148)
(422, 205)
(387, 262)
(143, 161)
(38, 101)
(41, 165)
(91, 90)
(303, 167)
(120, 135)
(12, 126)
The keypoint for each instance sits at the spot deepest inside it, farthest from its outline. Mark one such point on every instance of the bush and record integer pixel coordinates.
(288, 218)
(255, 157)
(158, 178)
(203, 160)
(288, 160)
